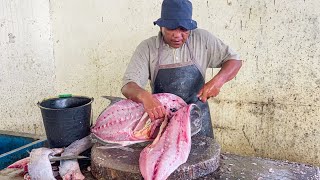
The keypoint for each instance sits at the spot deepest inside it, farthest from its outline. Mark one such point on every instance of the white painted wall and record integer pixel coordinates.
(272, 108)
(26, 63)
(93, 42)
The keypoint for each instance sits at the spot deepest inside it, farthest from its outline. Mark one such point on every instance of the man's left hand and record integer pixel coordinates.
(210, 89)
(227, 72)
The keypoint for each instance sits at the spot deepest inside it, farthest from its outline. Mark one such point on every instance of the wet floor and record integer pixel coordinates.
(253, 168)
(234, 167)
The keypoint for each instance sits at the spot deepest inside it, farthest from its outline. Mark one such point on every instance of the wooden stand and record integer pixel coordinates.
(124, 163)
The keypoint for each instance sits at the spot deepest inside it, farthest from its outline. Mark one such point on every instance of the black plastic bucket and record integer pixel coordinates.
(66, 119)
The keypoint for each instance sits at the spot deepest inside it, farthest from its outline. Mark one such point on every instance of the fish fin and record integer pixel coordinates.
(113, 99)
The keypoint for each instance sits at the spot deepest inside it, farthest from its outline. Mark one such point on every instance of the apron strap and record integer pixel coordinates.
(158, 61)
(156, 69)
(193, 58)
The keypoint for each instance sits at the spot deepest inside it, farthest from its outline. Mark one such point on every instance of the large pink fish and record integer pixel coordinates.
(126, 122)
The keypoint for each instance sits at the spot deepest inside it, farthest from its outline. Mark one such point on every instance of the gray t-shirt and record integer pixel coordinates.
(208, 51)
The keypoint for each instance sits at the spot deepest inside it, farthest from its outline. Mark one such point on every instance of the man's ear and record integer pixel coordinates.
(161, 30)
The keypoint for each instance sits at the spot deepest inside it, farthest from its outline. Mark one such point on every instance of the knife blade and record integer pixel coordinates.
(53, 159)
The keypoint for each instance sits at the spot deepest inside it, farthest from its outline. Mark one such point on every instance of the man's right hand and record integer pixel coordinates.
(152, 106)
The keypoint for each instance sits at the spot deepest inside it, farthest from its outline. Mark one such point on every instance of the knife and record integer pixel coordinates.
(53, 159)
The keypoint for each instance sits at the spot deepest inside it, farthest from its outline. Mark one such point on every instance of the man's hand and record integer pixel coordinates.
(227, 72)
(210, 89)
(153, 107)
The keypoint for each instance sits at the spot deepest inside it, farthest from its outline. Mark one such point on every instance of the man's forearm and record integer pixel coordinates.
(152, 106)
(134, 92)
(228, 70)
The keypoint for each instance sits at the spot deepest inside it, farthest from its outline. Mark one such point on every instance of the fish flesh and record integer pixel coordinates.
(39, 167)
(171, 148)
(69, 169)
(21, 164)
(125, 122)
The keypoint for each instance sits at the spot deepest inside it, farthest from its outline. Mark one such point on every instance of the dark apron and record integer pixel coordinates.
(184, 80)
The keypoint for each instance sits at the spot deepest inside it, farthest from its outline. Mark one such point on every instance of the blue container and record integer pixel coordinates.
(16, 146)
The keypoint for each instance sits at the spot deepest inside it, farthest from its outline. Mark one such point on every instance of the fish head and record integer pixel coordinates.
(172, 103)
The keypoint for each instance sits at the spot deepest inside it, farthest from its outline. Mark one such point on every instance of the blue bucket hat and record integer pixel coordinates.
(176, 13)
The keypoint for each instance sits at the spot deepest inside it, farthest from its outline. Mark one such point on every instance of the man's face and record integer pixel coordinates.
(175, 37)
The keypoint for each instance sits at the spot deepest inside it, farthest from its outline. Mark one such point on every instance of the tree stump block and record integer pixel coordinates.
(124, 163)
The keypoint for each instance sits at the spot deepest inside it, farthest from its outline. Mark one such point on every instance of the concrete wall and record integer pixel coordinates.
(93, 42)
(26, 63)
(271, 109)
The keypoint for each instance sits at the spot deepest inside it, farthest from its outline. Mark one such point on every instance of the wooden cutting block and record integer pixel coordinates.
(124, 163)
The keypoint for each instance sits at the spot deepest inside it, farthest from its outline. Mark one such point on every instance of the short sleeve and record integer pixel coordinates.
(138, 68)
(219, 52)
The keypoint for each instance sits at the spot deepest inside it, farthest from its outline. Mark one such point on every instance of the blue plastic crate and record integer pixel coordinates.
(16, 146)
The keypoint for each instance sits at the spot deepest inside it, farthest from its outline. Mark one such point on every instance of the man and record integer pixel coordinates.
(176, 60)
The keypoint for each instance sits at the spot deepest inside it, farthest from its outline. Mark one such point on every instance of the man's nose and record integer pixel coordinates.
(177, 33)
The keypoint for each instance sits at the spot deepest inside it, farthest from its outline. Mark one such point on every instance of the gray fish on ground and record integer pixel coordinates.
(69, 169)
(39, 167)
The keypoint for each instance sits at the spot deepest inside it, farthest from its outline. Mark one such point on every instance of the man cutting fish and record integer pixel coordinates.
(175, 61)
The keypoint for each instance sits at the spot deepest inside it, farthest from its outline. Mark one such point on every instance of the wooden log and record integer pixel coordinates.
(124, 163)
